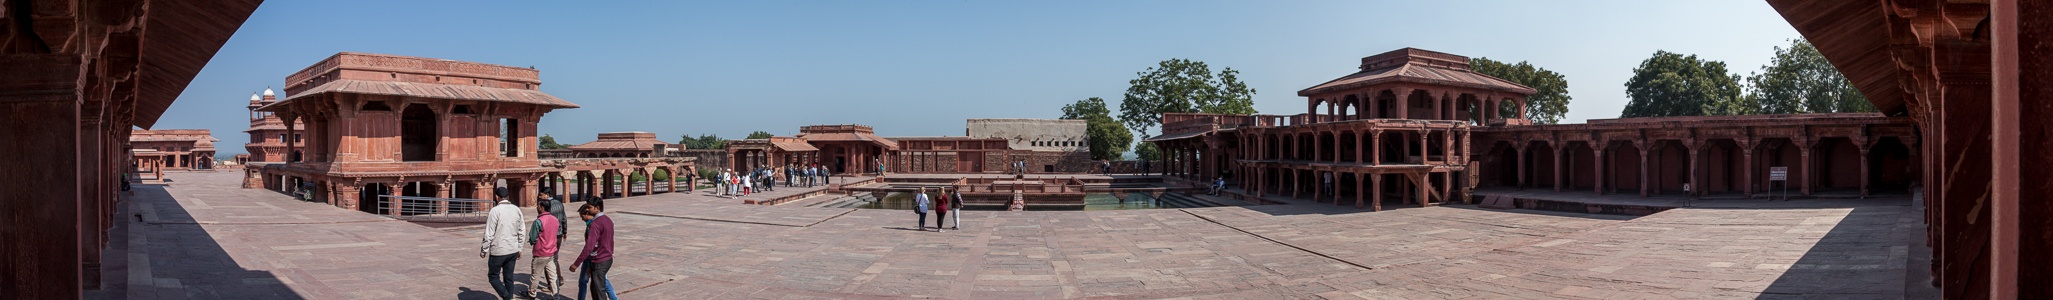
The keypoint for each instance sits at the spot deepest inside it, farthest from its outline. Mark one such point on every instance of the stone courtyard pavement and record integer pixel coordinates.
(202, 237)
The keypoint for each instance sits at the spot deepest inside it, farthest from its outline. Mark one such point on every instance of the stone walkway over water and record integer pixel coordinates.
(202, 237)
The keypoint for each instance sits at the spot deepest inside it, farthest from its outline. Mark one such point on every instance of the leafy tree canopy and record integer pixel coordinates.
(1671, 84)
(759, 135)
(549, 142)
(1147, 151)
(704, 141)
(1182, 85)
(1800, 80)
(1545, 106)
(1107, 139)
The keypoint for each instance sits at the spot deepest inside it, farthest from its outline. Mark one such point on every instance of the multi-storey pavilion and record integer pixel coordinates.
(1398, 126)
(177, 149)
(267, 132)
(385, 125)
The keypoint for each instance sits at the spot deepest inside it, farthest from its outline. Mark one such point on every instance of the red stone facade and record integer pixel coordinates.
(1973, 76)
(384, 125)
(267, 132)
(79, 75)
(844, 148)
(1700, 156)
(1399, 127)
(624, 144)
(175, 149)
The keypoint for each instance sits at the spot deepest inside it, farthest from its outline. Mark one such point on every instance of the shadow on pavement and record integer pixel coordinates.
(1843, 263)
(183, 259)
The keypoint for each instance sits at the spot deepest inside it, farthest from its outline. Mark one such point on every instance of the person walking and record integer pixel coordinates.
(919, 206)
(501, 246)
(544, 234)
(747, 185)
(956, 204)
(597, 257)
(721, 183)
(941, 212)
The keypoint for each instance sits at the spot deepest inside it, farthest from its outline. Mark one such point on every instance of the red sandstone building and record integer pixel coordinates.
(1399, 127)
(172, 149)
(624, 144)
(383, 125)
(267, 133)
(990, 146)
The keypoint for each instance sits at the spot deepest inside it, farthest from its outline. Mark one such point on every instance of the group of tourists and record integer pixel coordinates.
(504, 238)
(950, 203)
(806, 174)
(765, 179)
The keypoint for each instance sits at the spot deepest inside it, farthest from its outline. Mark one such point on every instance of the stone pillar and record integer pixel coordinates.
(1696, 186)
(1521, 164)
(1602, 173)
(525, 196)
(1360, 188)
(442, 191)
(1403, 103)
(1809, 179)
(1376, 192)
(1644, 192)
(1747, 168)
(1864, 170)
(348, 196)
(1375, 147)
(393, 206)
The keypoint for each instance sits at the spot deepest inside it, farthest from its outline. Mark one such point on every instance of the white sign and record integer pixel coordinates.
(1778, 173)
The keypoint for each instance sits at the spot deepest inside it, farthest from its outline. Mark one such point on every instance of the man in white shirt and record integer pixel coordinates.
(504, 235)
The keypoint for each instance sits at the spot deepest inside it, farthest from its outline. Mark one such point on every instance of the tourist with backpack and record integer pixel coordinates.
(919, 206)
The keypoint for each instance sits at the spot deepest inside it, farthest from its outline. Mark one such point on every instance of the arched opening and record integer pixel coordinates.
(1386, 104)
(1347, 147)
(1838, 161)
(1622, 167)
(367, 198)
(1892, 167)
(1500, 170)
(1722, 163)
(417, 189)
(1778, 152)
(417, 136)
(1352, 107)
(1669, 167)
(1580, 171)
(1539, 168)
(1507, 109)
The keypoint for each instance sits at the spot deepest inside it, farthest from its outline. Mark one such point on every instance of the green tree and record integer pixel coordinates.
(661, 175)
(759, 135)
(1107, 139)
(1548, 104)
(704, 141)
(1182, 85)
(1670, 84)
(1799, 80)
(549, 142)
(1147, 151)
(636, 177)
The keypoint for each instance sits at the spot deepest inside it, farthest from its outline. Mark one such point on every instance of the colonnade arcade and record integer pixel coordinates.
(1475, 106)
(1851, 155)
(1419, 161)
(568, 179)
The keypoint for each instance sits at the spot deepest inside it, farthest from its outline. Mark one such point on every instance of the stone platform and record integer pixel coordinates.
(200, 237)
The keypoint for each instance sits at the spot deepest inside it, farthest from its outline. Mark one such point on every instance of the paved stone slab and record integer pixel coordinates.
(204, 238)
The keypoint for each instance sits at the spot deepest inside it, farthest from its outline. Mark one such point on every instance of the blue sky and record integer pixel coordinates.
(922, 67)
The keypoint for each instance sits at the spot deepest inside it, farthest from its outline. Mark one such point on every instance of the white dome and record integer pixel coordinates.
(253, 97)
(267, 92)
